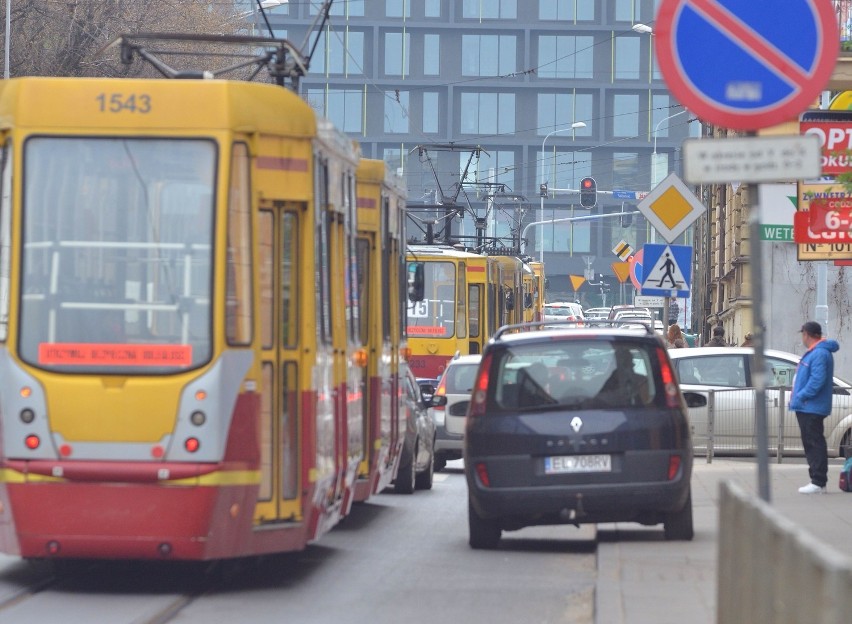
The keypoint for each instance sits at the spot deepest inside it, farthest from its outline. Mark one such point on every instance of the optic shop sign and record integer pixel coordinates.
(834, 130)
(823, 235)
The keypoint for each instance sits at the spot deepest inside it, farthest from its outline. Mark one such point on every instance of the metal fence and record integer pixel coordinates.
(727, 425)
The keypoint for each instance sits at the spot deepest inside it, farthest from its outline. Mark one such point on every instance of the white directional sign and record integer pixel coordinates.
(752, 159)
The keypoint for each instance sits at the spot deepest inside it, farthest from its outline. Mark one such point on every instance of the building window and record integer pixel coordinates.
(430, 112)
(432, 8)
(396, 56)
(556, 10)
(490, 9)
(626, 58)
(343, 107)
(397, 8)
(661, 108)
(394, 157)
(341, 52)
(487, 113)
(488, 55)
(625, 115)
(627, 10)
(562, 169)
(565, 57)
(339, 9)
(396, 112)
(560, 110)
(625, 171)
(431, 55)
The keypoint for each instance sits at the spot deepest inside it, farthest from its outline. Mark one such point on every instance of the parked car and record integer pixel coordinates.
(730, 372)
(582, 425)
(417, 462)
(455, 386)
(616, 309)
(563, 311)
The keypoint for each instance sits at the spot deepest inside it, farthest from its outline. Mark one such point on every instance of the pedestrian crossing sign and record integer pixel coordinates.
(667, 270)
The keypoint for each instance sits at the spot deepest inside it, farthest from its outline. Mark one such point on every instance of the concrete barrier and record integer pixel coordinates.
(770, 571)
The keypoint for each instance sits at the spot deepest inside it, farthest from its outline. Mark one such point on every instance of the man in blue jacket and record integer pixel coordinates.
(811, 400)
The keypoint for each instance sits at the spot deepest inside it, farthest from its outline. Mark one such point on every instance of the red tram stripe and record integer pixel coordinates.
(282, 164)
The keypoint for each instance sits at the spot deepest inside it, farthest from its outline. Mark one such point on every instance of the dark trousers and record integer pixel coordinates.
(816, 449)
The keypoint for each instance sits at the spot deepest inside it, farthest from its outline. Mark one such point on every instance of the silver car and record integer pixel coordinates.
(456, 384)
(728, 372)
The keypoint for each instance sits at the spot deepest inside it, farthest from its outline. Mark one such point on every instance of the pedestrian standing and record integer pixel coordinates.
(811, 399)
(718, 339)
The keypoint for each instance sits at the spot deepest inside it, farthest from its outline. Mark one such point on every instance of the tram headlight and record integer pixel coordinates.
(197, 418)
(27, 416)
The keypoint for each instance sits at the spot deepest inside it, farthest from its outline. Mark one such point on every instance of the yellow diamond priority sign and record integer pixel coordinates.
(671, 207)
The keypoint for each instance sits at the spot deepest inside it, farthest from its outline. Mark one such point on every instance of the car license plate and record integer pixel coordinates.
(562, 464)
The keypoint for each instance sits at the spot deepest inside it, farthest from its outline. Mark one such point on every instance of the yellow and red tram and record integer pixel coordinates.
(381, 218)
(466, 297)
(183, 350)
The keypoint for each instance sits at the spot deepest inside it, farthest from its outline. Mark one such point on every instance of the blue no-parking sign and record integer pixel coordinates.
(746, 64)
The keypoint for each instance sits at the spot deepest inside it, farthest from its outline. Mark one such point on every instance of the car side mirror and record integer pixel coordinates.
(694, 399)
(437, 400)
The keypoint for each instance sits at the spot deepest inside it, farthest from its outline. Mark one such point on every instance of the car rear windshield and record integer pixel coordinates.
(576, 374)
(460, 378)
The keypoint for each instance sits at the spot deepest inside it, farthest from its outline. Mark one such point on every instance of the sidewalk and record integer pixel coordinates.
(642, 579)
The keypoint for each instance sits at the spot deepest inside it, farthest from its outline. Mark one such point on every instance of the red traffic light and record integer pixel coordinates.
(587, 183)
(588, 192)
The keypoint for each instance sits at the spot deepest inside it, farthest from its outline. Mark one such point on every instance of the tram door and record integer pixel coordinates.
(278, 236)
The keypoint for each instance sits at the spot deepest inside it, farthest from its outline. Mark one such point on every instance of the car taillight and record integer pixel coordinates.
(441, 390)
(669, 385)
(480, 389)
(674, 466)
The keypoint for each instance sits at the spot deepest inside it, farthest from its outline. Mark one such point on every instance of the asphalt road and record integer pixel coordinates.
(397, 558)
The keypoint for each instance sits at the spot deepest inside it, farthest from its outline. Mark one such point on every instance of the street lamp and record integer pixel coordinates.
(656, 165)
(642, 29)
(542, 191)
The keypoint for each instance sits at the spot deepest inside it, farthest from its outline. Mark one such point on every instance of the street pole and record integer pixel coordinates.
(6, 44)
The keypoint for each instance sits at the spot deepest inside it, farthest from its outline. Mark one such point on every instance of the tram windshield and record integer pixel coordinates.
(434, 316)
(117, 254)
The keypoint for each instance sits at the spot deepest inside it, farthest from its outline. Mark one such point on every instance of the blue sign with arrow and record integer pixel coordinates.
(667, 270)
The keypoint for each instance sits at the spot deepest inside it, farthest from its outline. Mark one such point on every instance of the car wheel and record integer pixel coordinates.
(423, 481)
(484, 534)
(678, 524)
(846, 445)
(405, 476)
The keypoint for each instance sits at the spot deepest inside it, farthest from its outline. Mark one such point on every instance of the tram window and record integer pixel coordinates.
(435, 314)
(461, 301)
(238, 290)
(473, 298)
(266, 249)
(117, 250)
(289, 278)
(363, 254)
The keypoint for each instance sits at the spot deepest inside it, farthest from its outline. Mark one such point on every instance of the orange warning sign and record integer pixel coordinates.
(89, 354)
(621, 270)
(577, 281)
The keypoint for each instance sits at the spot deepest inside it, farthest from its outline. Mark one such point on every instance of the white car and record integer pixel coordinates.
(563, 311)
(728, 371)
(456, 384)
(596, 313)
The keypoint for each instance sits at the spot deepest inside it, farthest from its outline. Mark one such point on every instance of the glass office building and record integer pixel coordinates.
(479, 103)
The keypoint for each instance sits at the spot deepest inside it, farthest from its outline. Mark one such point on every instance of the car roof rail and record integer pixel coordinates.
(579, 323)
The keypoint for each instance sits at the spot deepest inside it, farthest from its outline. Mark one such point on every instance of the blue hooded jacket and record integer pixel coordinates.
(814, 380)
